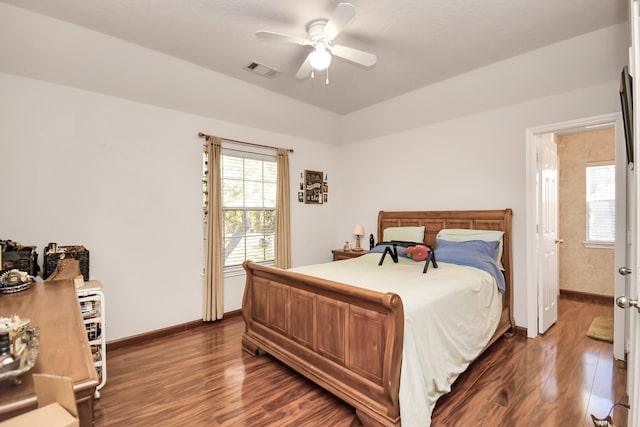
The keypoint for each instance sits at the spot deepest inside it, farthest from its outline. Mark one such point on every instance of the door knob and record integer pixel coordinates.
(624, 271)
(625, 302)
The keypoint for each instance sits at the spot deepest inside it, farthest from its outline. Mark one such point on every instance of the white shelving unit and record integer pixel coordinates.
(92, 306)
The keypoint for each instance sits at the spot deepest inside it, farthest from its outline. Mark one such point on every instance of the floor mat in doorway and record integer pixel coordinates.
(601, 329)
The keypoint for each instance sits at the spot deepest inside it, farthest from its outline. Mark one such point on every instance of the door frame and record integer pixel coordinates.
(531, 170)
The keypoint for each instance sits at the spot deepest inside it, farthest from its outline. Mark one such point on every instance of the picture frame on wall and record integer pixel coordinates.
(313, 181)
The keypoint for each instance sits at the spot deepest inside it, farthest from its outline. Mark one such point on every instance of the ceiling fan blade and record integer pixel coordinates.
(305, 69)
(270, 35)
(354, 55)
(342, 15)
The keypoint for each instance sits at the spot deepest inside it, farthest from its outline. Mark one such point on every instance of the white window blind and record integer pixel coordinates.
(601, 203)
(249, 202)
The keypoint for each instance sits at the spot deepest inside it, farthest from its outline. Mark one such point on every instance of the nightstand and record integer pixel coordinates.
(339, 254)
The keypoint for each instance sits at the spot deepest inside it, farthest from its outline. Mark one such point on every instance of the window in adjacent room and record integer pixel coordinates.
(248, 205)
(601, 204)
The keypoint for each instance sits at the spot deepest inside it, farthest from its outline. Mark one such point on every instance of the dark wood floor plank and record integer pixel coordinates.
(201, 377)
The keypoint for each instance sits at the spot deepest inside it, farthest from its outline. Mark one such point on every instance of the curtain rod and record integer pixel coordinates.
(204, 135)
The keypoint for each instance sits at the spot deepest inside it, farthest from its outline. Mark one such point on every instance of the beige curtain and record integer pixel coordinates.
(213, 307)
(283, 227)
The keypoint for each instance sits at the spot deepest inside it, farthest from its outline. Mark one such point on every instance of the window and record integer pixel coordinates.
(601, 203)
(248, 205)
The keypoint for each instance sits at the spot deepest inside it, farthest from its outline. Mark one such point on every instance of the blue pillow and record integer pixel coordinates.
(474, 253)
(475, 246)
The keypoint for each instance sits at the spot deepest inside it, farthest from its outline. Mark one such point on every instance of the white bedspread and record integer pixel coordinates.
(450, 315)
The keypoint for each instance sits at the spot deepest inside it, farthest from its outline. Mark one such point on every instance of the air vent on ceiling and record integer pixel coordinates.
(262, 69)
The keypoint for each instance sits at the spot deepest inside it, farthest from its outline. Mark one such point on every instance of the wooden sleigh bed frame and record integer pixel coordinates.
(346, 339)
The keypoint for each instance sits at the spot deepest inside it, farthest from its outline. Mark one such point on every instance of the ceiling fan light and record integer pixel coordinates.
(320, 58)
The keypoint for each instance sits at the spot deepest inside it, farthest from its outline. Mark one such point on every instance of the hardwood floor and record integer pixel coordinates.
(201, 377)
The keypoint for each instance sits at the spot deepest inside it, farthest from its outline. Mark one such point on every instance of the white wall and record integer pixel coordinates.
(123, 179)
(121, 174)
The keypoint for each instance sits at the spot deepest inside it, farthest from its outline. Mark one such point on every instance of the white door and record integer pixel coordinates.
(623, 255)
(631, 292)
(633, 317)
(633, 357)
(548, 286)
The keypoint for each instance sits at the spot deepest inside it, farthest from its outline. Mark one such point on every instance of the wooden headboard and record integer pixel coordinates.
(434, 221)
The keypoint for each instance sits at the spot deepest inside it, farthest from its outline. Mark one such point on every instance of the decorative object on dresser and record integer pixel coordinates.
(18, 348)
(14, 280)
(13, 255)
(53, 253)
(358, 230)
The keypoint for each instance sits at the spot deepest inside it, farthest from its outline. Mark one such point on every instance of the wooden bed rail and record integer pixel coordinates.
(344, 338)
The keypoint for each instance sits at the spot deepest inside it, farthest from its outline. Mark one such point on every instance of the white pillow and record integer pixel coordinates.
(404, 234)
(462, 235)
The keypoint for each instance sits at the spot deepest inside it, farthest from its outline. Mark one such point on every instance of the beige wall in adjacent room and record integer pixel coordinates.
(582, 269)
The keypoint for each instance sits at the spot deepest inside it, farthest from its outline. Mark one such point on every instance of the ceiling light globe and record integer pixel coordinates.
(320, 58)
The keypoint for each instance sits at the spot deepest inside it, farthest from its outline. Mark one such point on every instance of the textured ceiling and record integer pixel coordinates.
(417, 42)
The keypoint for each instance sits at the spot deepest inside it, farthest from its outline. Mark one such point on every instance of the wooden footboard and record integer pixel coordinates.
(346, 339)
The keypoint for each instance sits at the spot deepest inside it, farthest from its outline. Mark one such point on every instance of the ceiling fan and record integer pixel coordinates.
(321, 34)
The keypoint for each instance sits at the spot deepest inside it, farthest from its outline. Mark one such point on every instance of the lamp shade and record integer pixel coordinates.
(358, 230)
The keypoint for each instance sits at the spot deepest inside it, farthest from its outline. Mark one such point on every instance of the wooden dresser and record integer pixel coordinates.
(64, 348)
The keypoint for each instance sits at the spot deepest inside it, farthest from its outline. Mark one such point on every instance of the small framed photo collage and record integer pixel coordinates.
(313, 188)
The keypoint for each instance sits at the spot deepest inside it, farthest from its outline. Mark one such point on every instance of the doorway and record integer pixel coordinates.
(586, 220)
(535, 271)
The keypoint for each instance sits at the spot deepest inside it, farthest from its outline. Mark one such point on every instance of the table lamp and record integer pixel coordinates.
(358, 230)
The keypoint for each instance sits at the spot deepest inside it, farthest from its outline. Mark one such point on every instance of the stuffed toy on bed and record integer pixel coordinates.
(417, 253)
(421, 253)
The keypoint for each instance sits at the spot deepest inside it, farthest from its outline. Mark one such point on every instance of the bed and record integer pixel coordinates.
(349, 339)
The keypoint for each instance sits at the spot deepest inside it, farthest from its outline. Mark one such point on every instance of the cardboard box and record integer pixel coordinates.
(56, 404)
